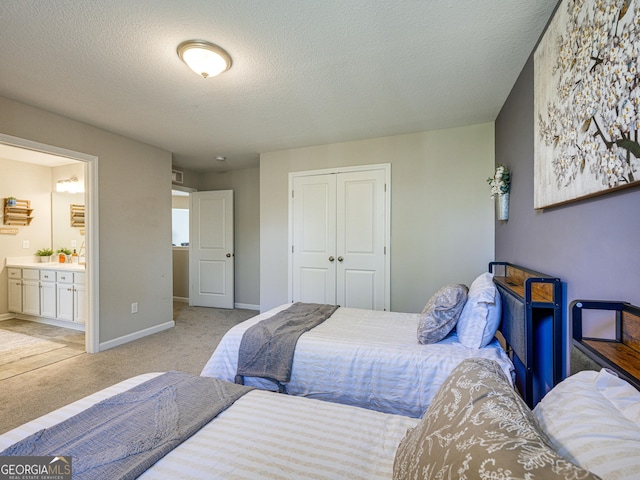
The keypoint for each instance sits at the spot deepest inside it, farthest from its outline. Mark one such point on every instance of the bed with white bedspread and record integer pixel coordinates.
(266, 435)
(476, 427)
(365, 358)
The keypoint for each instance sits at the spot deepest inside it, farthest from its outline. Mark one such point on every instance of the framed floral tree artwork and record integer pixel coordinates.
(587, 101)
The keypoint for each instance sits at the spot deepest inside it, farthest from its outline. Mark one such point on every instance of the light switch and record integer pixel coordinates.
(73, 244)
(25, 244)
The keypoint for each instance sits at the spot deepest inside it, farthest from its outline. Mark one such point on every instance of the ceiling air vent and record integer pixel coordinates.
(176, 176)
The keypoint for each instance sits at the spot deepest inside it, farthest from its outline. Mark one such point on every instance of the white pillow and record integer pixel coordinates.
(480, 317)
(593, 419)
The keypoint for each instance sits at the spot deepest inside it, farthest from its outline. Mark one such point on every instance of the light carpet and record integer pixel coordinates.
(186, 347)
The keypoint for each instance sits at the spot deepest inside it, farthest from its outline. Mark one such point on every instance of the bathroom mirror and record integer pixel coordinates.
(63, 235)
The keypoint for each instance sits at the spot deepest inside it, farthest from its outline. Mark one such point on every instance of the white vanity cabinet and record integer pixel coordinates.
(15, 290)
(48, 294)
(30, 291)
(71, 294)
(64, 296)
(24, 291)
(79, 297)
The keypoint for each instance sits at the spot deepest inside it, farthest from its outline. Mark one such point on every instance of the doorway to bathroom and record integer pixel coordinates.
(50, 341)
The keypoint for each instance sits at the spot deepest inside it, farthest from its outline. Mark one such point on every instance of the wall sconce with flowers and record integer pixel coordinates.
(500, 185)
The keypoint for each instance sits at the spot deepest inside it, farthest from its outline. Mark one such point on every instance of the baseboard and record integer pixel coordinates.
(47, 321)
(53, 321)
(246, 306)
(135, 335)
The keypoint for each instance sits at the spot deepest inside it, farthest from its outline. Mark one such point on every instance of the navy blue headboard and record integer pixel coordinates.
(620, 354)
(531, 326)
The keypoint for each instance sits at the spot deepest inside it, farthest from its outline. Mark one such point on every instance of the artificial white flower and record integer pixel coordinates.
(500, 183)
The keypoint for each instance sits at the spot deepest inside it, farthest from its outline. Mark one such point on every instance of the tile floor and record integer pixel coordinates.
(72, 341)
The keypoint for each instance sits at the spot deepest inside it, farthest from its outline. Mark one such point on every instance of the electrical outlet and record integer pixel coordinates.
(73, 244)
(25, 244)
(134, 307)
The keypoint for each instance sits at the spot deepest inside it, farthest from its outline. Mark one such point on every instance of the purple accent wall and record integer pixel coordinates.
(593, 245)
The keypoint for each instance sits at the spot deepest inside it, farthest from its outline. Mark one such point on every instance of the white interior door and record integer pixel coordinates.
(360, 233)
(339, 236)
(314, 239)
(211, 254)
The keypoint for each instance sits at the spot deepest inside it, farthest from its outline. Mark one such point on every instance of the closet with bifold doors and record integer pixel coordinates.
(339, 235)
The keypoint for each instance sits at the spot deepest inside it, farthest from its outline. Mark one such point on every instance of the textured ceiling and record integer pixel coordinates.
(305, 72)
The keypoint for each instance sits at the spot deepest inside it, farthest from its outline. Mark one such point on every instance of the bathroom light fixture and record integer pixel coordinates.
(71, 185)
(204, 58)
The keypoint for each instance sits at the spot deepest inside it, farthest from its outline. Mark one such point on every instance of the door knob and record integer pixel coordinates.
(228, 255)
(340, 259)
(331, 259)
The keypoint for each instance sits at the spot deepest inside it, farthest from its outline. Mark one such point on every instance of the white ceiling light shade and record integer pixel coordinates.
(204, 58)
(70, 185)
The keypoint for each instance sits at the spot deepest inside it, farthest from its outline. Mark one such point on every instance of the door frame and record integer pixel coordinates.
(92, 340)
(387, 220)
(188, 191)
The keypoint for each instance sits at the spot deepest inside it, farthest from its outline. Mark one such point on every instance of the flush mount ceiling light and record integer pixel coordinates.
(220, 158)
(204, 58)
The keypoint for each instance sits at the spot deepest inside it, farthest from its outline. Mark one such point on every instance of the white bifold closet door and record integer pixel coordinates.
(339, 239)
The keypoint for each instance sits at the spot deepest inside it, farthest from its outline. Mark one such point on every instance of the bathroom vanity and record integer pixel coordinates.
(52, 293)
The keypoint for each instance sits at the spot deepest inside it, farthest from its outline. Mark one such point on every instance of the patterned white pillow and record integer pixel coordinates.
(480, 317)
(441, 313)
(477, 427)
(593, 420)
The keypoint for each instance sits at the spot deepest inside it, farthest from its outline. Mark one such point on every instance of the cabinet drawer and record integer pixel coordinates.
(28, 274)
(79, 278)
(47, 276)
(64, 277)
(15, 273)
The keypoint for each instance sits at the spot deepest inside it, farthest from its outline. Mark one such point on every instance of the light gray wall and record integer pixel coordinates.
(134, 215)
(441, 219)
(181, 273)
(191, 178)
